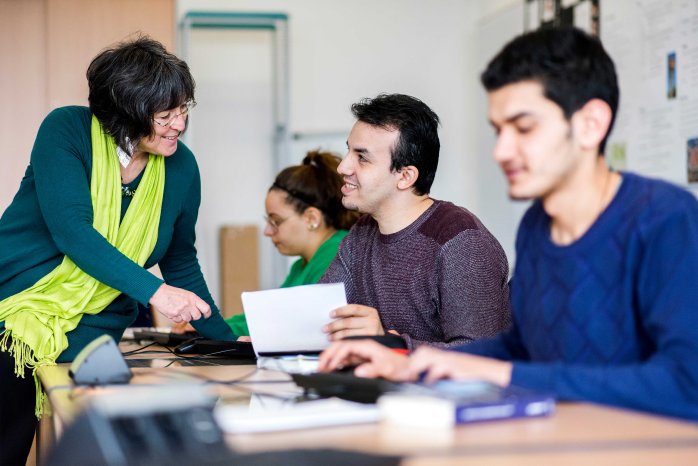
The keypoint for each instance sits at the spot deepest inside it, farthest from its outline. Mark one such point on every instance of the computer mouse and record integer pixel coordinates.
(187, 347)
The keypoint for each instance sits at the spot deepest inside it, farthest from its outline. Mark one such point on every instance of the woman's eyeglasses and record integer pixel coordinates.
(273, 222)
(183, 111)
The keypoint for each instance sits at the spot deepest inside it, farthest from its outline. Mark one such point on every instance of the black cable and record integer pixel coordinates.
(237, 381)
(169, 351)
(209, 359)
(137, 350)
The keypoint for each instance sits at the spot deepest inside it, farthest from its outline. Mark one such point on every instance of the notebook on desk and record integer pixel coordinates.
(441, 404)
(289, 321)
(448, 403)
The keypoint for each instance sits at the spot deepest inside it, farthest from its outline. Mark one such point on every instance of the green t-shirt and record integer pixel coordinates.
(300, 274)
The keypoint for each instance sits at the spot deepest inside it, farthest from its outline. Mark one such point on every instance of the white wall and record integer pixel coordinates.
(501, 215)
(231, 133)
(492, 8)
(342, 51)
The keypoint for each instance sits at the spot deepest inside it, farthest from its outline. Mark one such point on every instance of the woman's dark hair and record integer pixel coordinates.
(571, 65)
(131, 82)
(316, 183)
(418, 143)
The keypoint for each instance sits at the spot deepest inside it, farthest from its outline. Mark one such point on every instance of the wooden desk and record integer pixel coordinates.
(578, 433)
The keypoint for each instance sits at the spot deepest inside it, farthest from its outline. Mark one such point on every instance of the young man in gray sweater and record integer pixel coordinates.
(414, 266)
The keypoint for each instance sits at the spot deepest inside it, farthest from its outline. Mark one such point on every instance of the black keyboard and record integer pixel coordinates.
(344, 385)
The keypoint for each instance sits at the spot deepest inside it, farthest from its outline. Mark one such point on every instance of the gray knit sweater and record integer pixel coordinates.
(440, 281)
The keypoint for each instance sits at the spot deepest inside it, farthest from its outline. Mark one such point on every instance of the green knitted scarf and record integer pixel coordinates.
(38, 318)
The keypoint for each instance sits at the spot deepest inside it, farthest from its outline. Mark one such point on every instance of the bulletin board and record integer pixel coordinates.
(654, 44)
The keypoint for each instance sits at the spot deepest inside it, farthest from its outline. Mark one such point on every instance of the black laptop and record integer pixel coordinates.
(191, 343)
(163, 338)
(222, 348)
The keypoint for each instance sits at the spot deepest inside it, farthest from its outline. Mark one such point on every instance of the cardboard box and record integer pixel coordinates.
(239, 246)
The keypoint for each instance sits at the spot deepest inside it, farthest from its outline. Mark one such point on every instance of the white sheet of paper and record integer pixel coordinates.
(291, 319)
(269, 414)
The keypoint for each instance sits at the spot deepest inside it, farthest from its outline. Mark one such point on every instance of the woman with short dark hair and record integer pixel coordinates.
(109, 192)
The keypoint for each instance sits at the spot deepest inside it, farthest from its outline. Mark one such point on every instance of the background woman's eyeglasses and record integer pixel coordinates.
(183, 111)
(274, 223)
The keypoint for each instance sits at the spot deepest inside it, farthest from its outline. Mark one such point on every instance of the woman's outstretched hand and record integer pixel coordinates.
(179, 305)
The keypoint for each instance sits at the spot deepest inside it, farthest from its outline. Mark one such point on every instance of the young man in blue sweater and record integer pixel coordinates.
(605, 289)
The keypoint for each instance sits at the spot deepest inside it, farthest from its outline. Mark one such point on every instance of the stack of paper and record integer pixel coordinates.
(275, 415)
(300, 364)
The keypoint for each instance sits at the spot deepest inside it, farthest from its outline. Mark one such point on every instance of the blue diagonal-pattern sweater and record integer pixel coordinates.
(51, 217)
(613, 317)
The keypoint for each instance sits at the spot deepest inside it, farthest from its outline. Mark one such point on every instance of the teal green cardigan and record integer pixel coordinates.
(51, 216)
(301, 273)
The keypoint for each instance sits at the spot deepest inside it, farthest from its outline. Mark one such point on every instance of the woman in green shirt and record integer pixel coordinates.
(306, 218)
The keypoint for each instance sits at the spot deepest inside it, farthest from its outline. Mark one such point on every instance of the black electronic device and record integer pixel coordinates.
(345, 385)
(227, 349)
(177, 436)
(141, 426)
(164, 338)
(187, 346)
(389, 340)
